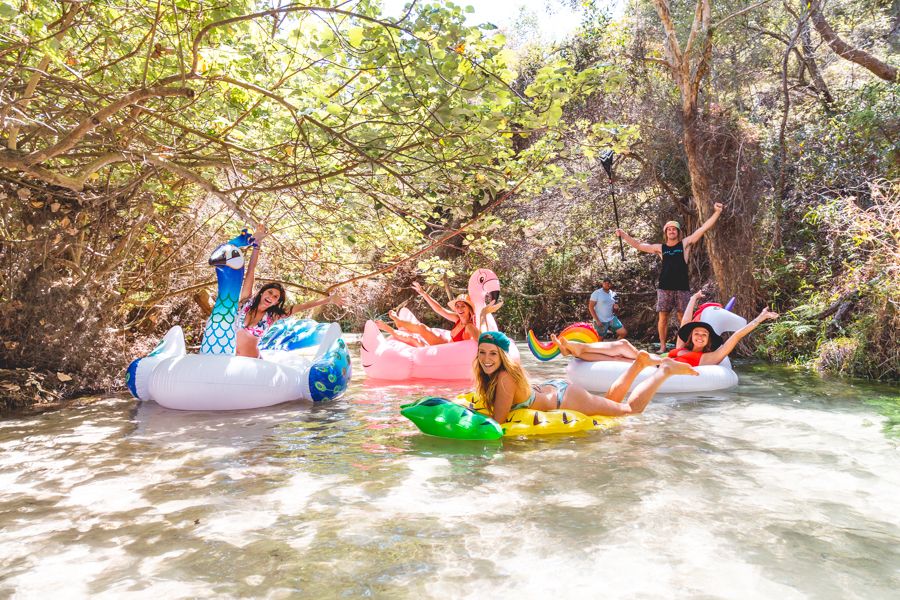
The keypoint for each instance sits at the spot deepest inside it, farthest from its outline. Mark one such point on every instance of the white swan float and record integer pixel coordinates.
(598, 376)
(301, 359)
(393, 360)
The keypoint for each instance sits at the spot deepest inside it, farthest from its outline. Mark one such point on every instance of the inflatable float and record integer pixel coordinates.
(393, 360)
(301, 359)
(465, 418)
(598, 376)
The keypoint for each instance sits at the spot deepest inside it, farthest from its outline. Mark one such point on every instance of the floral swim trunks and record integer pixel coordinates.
(667, 300)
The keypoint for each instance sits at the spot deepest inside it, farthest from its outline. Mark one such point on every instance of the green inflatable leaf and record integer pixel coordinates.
(442, 418)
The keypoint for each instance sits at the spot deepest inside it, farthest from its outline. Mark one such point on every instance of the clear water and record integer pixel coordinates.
(786, 487)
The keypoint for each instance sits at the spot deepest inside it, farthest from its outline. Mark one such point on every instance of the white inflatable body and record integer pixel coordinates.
(597, 377)
(300, 359)
(393, 360)
(317, 371)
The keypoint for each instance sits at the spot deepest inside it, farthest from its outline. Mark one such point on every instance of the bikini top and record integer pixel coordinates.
(258, 328)
(458, 336)
(686, 356)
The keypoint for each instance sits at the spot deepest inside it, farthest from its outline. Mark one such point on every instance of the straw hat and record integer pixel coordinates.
(461, 298)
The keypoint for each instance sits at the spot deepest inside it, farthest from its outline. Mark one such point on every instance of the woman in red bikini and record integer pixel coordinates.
(417, 334)
(698, 344)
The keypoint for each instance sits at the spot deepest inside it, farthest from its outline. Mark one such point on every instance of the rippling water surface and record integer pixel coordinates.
(785, 487)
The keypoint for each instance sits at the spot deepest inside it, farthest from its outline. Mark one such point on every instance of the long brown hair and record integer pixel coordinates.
(486, 385)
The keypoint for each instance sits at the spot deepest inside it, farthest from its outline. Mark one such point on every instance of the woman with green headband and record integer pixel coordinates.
(505, 387)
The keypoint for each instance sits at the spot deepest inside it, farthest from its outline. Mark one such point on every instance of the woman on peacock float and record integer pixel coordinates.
(698, 344)
(505, 387)
(259, 312)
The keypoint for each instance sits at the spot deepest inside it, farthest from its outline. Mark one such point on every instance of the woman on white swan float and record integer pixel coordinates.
(596, 365)
(299, 359)
(420, 352)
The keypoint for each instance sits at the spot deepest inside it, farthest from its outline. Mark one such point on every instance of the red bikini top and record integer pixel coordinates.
(686, 356)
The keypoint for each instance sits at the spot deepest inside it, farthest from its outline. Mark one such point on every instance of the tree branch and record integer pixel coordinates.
(86, 126)
(845, 50)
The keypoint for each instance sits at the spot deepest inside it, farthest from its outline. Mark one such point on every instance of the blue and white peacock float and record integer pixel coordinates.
(301, 359)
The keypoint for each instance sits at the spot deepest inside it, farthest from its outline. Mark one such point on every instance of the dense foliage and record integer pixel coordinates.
(136, 135)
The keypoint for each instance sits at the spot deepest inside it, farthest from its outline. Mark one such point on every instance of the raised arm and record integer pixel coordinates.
(688, 314)
(717, 356)
(250, 275)
(330, 299)
(639, 245)
(694, 237)
(493, 307)
(450, 316)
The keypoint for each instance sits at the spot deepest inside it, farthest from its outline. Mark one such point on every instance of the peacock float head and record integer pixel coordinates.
(228, 259)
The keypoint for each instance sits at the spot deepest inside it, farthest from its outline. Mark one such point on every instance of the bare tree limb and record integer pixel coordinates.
(845, 50)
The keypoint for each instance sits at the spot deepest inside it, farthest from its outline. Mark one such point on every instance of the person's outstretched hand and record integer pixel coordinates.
(718, 206)
(418, 287)
(260, 234)
(337, 300)
(766, 315)
(493, 306)
(697, 295)
(620, 232)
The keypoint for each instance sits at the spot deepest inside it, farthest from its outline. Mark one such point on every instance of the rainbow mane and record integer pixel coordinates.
(577, 332)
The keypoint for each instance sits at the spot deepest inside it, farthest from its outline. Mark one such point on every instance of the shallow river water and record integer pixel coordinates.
(784, 487)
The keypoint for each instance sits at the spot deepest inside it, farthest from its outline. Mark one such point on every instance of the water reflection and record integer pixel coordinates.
(783, 486)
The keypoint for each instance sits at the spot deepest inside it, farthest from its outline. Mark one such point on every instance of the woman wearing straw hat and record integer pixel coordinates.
(461, 312)
(674, 288)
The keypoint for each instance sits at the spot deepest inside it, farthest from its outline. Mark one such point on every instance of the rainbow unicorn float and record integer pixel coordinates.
(393, 360)
(300, 359)
(598, 376)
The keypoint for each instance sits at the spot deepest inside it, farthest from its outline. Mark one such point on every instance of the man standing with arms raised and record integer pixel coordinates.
(674, 288)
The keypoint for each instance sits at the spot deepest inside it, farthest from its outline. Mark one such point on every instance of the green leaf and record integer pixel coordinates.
(355, 35)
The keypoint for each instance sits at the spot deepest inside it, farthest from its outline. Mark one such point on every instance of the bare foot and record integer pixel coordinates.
(563, 349)
(570, 349)
(398, 322)
(662, 349)
(677, 368)
(645, 359)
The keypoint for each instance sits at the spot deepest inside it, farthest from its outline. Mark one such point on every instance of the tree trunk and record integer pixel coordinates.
(730, 243)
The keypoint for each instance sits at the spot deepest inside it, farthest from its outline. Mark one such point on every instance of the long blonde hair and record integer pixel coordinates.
(486, 385)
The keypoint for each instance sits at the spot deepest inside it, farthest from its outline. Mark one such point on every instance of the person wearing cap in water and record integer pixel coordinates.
(504, 385)
(674, 288)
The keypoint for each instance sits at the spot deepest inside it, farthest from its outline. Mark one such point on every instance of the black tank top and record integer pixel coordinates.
(674, 272)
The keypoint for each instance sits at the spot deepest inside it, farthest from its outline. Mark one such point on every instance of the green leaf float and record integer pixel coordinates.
(443, 418)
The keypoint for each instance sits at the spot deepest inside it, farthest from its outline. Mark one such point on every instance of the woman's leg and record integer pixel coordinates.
(406, 338)
(619, 388)
(417, 328)
(645, 390)
(578, 398)
(597, 351)
(246, 344)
